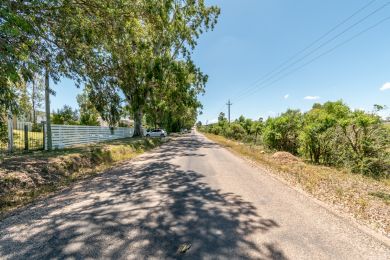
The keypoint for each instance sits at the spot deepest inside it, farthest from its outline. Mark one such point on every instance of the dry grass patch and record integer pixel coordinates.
(366, 199)
(25, 177)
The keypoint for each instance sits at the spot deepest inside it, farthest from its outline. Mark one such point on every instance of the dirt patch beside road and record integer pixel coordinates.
(363, 198)
(285, 157)
(26, 177)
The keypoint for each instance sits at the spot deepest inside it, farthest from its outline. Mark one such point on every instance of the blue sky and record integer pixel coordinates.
(253, 37)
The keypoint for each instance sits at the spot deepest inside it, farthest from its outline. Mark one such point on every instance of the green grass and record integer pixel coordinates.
(35, 140)
(382, 195)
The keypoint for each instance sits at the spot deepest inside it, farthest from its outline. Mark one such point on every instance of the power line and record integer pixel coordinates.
(319, 56)
(282, 67)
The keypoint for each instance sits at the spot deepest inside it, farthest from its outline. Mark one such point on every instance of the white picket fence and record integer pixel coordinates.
(71, 135)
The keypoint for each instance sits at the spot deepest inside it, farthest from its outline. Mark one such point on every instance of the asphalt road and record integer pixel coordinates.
(189, 192)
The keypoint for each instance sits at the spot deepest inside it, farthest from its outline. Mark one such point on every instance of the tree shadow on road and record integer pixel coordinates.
(142, 210)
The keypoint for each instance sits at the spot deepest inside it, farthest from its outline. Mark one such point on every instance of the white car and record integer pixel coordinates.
(156, 133)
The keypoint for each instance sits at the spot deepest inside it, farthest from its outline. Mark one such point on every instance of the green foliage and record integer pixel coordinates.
(65, 116)
(329, 133)
(318, 139)
(7, 104)
(281, 133)
(88, 113)
(107, 102)
(141, 49)
(367, 144)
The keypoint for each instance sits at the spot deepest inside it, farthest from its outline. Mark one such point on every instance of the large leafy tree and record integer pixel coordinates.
(148, 44)
(88, 113)
(173, 104)
(65, 116)
(32, 41)
(129, 45)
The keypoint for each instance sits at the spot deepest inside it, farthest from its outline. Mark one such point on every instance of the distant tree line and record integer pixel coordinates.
(330, 134)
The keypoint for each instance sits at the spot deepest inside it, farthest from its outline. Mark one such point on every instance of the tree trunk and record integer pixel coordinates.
(33, 102)
(138, 132)
(47, 108)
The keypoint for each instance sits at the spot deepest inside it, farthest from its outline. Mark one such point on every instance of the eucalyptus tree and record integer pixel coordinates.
(147, 43)
(173, 104)
(31, 42)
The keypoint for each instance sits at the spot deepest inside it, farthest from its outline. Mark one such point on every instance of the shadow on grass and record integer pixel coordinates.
(142, 210)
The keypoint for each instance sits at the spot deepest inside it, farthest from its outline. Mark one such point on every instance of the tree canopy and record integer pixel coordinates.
(133, 51)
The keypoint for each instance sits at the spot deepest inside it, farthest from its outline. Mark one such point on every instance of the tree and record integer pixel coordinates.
(88, 113)
(367, 143)
(282, 132)
(317, 137)
(257, 128)
(222, 118)
(140, 48)
(151, 43)
(37, 89)
(23, 100)
(107, 102)
(65, 116)
(8, 106)
(34, 39)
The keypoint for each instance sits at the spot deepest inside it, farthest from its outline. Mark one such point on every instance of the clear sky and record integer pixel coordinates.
(253, 37)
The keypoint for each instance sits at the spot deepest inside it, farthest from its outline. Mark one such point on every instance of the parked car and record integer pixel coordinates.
(156, 133)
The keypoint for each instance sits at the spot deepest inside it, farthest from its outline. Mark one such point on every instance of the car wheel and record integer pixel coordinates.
(147, 135)
(162, 135)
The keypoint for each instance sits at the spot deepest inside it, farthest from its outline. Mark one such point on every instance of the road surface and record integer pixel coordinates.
(189, 194)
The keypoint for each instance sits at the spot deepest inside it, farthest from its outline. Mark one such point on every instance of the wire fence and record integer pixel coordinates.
(25, 137)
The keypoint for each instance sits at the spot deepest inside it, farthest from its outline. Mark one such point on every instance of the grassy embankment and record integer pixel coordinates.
(25, 177)
(366, 199)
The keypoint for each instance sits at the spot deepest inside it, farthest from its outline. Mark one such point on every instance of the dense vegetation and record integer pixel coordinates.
(134, 53)
(330, 134)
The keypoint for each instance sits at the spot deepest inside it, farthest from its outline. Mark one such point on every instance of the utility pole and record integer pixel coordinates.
(229, 104)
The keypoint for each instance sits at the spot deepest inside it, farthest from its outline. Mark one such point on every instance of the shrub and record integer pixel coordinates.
(330, 134)
(237, 131)
(281, 133)
(318, 137)
(367, 143)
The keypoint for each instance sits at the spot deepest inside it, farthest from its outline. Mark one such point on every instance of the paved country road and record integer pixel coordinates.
(192, 192)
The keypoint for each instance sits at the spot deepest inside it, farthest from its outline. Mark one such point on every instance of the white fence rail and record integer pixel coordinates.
(70, 135)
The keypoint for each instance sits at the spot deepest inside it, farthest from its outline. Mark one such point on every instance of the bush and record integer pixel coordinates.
(367, 143)
(319, 137)
(330, 134)
(237, 132)
(281, 133)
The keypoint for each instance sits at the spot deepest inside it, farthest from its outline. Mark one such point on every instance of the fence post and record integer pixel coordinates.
(26, 137)
(10, 133)
(44, 135)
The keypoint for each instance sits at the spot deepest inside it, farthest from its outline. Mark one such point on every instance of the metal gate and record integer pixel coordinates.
(23, 137)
